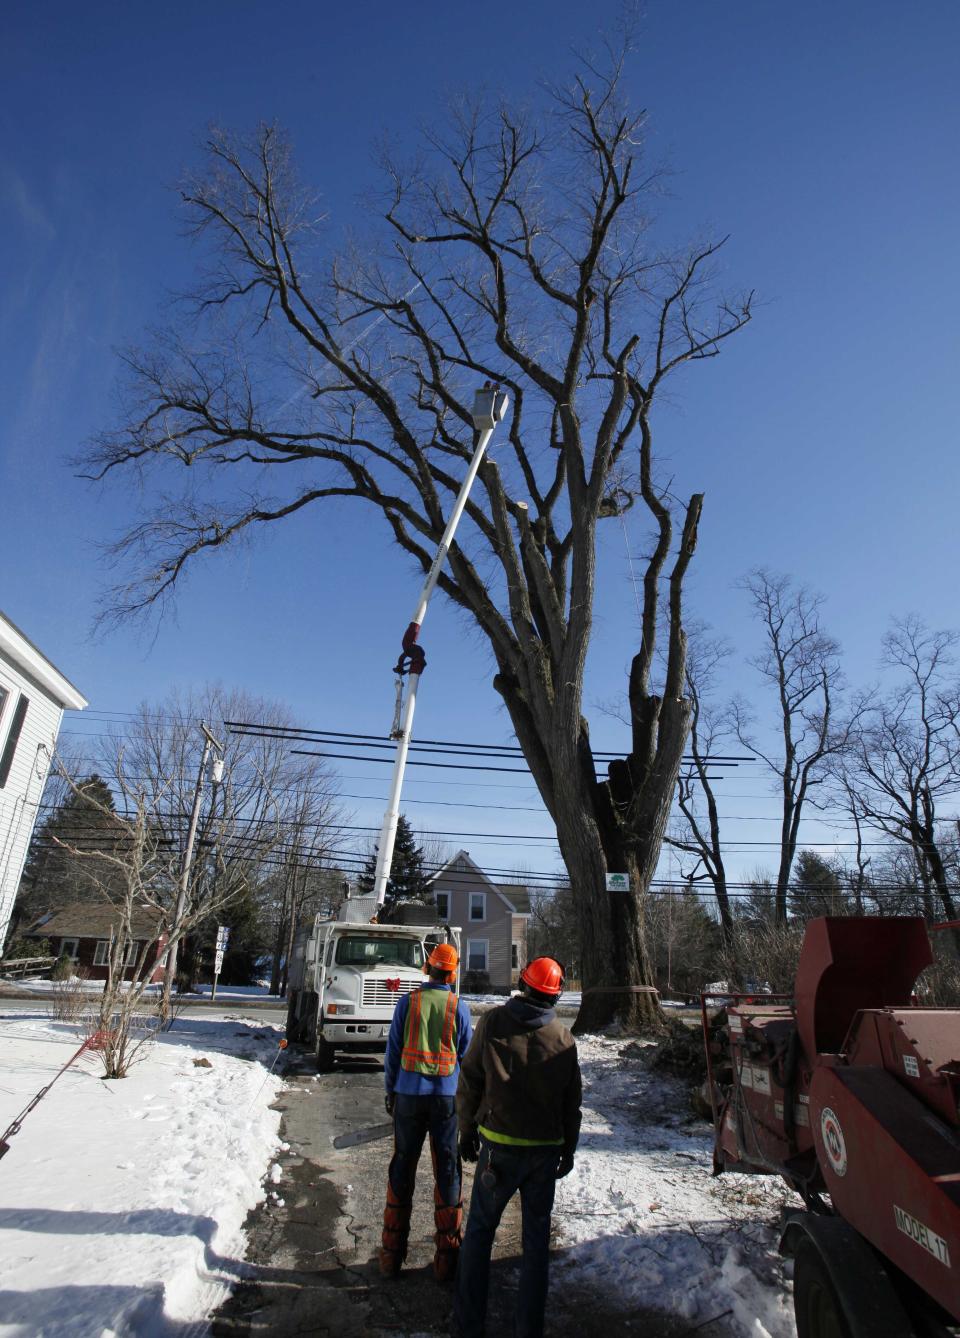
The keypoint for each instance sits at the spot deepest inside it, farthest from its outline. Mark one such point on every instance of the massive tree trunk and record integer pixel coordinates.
(616, 825)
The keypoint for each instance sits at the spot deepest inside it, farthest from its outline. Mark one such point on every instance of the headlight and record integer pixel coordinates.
(335, 1008)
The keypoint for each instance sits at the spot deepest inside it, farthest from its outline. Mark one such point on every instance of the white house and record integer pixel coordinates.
(33, 697)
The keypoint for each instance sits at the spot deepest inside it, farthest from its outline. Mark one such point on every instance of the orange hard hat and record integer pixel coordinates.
(444, 958)
(543, 974)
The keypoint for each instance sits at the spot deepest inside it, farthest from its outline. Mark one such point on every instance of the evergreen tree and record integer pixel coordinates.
(248, 946)
(55, 875)
(758, 905)
(816, 889)
(407, 881)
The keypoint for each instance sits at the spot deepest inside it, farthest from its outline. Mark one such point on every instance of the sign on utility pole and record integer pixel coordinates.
(618, 882)
(223, 938)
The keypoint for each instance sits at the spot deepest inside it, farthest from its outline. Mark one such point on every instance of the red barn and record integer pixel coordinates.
(82, 934)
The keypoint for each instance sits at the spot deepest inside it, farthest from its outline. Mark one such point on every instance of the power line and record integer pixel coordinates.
(258, 730)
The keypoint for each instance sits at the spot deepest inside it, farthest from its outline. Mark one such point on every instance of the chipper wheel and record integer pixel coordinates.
(817, 1307)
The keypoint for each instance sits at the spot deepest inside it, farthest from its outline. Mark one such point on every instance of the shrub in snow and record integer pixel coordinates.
(68, 998)
(62, 968)
(121, 1033)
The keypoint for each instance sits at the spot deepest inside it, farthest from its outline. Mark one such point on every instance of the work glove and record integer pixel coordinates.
(389, 1101)
(564, 1165)
(470, 1146)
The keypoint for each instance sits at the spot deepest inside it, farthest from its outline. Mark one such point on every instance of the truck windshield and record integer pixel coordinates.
(356, 950)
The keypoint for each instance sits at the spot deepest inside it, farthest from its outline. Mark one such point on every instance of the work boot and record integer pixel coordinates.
(448, 1221)
(396, 1233)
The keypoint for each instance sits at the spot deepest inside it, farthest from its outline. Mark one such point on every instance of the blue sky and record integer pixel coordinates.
(822, 137)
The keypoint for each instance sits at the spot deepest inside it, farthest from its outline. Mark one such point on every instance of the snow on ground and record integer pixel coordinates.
(642, 1220)
(569, 1001)
(44, 985)
(227, 992)
(122, 1203)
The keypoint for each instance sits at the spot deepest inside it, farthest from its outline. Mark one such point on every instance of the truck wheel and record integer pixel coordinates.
(326, 1056)
(293, 1026)
(817, 1307)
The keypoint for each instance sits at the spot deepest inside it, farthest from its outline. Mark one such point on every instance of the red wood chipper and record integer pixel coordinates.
(849, 1090)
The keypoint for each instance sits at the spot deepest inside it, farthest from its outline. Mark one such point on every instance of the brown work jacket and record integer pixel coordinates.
(520, 1078)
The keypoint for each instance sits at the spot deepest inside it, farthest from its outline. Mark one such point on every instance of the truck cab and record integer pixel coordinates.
(346, 976)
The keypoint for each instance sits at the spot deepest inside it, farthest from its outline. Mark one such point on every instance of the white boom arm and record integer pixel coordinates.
(489, 407)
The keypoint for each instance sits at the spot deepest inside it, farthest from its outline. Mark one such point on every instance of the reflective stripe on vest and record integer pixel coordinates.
(428, 1035)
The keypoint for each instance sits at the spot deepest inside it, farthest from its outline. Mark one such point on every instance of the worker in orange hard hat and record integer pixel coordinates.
(428, 1037)
(519, 1106)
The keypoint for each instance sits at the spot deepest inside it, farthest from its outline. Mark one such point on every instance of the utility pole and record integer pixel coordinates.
(489, 407)
(210, 742)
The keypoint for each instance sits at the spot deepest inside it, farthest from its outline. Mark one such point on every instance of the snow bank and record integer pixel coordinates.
(642, 1221)
(225, 993)
(122, 1203)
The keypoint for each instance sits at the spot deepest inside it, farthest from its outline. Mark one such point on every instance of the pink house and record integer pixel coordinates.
(493, 918)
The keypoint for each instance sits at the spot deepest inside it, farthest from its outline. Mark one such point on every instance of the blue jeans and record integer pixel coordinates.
(413, 1118)
(501, 1171)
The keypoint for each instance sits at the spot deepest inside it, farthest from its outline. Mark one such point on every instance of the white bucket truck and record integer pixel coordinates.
(347, 974)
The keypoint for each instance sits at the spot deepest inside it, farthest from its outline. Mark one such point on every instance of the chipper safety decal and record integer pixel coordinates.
(833, 1141)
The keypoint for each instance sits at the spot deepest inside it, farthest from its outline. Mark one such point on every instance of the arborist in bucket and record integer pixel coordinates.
(519, 1107)
(429, 1035)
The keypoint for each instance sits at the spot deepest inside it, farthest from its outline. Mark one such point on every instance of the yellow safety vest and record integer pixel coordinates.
(429, 1044)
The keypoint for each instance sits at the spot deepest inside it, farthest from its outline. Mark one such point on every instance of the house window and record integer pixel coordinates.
(443, 905)
(69, 947)
(13, 737)
(514, 956)
(101, 954)
(478, 905)
(477, 953)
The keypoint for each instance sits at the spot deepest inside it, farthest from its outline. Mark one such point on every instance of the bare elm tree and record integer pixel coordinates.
(516, 249)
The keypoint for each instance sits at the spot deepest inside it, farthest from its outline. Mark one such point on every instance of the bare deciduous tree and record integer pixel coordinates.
(903, 763)
(245, 822)
(801, 663)
(141, 871)
(515, 250)
(697, 831)
(684, 940)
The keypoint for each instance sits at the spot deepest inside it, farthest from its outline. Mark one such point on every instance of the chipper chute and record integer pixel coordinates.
(849, 1090)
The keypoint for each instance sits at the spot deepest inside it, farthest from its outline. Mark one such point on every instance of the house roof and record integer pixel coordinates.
(93, 919)
(514, 895)
(518, 894)
(24, 653)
